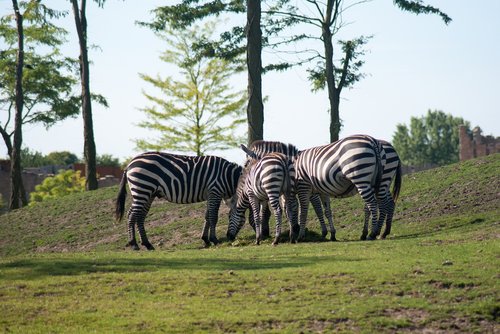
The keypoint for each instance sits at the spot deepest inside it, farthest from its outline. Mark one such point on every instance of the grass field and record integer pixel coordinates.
(63, 267)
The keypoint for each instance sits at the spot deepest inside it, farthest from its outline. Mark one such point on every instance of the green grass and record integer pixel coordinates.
(63, 267)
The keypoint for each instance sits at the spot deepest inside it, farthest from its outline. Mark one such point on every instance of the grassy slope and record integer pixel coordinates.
(430, 201)
(437, 272)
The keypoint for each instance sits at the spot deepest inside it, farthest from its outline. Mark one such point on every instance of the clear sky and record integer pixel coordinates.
(413, 63)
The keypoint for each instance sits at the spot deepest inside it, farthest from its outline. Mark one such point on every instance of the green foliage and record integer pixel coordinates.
(198, 112)
(430, 139)
(417, 7)
(347, 72)
(49, 78)
(107, 160)
(30, 158)
(64, 183)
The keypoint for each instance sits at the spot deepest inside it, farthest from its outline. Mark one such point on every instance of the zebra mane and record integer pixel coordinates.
(261, 147)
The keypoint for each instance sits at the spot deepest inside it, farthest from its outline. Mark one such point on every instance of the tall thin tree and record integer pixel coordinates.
(255, 108)
(89, 150)
(17, 195)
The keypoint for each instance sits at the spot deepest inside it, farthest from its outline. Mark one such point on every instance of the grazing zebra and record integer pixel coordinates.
(178, 179)
(386, 202)
(262, 181)
(258, 149)
(340, 169)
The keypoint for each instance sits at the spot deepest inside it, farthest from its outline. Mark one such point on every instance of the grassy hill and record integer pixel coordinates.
(64, 268)
(434, 200)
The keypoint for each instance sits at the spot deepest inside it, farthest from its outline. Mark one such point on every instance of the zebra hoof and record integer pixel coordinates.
(363, 237)
(323, 234)
(133, 245)
(332, 238)
(148, 246)
(215, 241)
(275, 242)
(372, 237)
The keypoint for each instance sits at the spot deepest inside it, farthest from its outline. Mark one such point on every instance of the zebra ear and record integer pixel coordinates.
(250, 153)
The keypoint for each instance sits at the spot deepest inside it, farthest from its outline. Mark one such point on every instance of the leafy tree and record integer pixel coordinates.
(43, 94)
(107, 160)
(433, 139)
(198, 113)
(64, 183)
(37, 159)
(31, 158)
(61, 158)
(279, 16)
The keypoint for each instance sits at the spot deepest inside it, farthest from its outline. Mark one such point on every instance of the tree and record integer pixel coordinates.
(32, 158)
(64, 183)
(277, 18)
(89, 149)
(198, 113)
(47, 77)
(183, 15)
(432, 139)
(327, 17)
(107, 160)
(16, 182)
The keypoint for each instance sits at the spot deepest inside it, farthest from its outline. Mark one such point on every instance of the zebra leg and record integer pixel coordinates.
(304, 196)
(383, 207)
(316, 203)
(292, 213)
(329, 216)
(213, 206)
(373, 207)
(255, 206)
(275, 204)
(266, 215)
(390, 213)
(132, 242)
(365, 226)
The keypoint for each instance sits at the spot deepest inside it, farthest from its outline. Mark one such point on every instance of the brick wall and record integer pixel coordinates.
(476, 145)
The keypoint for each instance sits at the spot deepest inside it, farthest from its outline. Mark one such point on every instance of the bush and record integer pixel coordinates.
(64, 183)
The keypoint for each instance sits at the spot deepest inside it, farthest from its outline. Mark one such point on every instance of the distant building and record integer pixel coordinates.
(476, 145)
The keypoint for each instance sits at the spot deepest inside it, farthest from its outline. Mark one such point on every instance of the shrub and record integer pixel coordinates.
(64, 183)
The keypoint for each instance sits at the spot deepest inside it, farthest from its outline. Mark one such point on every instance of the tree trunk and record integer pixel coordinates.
(255, 108)
(18, 196)
(333, 93)
(89, 150)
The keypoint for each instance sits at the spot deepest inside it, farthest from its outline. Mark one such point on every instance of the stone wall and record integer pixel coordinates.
(476, 145)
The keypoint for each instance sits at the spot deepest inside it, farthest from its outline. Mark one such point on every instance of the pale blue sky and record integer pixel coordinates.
(413, 63)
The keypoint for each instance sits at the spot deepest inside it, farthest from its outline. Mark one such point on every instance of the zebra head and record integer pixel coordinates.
(236, 222)
(239, 203)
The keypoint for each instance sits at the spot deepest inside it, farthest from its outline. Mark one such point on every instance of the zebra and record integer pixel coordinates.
(262, 181)
(340, 169)
(391, 171)
(178, 179)
(257, 150)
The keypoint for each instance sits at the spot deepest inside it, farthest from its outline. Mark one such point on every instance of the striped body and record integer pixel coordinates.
(341, 169)
(263, 181)
(178, 179)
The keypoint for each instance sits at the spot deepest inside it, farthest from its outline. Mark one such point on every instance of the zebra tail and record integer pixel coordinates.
(398, 180)
(120, 200)
(380, 168)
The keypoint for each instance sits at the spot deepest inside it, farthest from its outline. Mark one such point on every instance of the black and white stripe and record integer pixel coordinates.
(264, 181)
(341, 169)
(178, 179)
